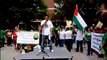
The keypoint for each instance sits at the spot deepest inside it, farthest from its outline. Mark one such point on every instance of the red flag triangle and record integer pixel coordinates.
(76, 11)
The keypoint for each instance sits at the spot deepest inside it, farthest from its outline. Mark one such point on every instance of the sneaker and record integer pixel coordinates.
(39, 50)
(52, 50)
(23, 52)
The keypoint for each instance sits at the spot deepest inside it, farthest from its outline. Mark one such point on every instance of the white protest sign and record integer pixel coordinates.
(26, 37)
(96, 40)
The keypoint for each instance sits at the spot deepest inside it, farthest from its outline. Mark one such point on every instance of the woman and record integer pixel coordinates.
(61, 36)
(68, 39)
(14, 35)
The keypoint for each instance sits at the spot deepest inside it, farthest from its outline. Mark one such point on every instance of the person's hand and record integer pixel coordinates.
(46, 40)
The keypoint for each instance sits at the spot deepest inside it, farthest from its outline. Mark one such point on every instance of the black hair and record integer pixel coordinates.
(47, 15)
(67, 28)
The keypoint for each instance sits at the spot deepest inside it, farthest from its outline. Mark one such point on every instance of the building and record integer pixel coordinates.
(50, 5)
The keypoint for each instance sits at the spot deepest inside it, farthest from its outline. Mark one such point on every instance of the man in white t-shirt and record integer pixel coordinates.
(46, 29)
(79, 39)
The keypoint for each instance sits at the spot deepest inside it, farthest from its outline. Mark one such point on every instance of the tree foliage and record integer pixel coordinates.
(14, 11)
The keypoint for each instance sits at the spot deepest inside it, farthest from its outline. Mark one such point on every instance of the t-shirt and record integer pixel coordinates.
(2, 34)
(9, 34)
(47, 26)
(88, 36)
(14, 35)
(61, 34)
(104, 38)
(79, 35)
(56, 29)
(68, 34)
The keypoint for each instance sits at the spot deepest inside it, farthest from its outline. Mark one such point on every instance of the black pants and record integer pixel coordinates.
(53, 39)
(2, 42)
(89, 50)
(57, 40)
(79, 45)
(40, 39)
(68, 43)
(44, 43)
(9, 39)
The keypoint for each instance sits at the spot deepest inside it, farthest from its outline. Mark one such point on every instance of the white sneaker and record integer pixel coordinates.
(52, 50)
(23, 51)
(39, 50)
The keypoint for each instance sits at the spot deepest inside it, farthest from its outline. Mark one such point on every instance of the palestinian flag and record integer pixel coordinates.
(78, 20)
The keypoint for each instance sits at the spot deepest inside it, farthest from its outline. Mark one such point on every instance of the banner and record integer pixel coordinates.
(96, 40)
(27, 37)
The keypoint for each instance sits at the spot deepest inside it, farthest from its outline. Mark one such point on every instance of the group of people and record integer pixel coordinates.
(9, 37)
(60, 36)
(64, 36)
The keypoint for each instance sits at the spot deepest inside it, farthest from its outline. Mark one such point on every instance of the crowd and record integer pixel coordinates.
(60, 36)
(70, 36)
(9, 37)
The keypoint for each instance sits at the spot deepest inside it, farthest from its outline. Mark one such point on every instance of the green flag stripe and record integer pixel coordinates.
(77, 23)
(24, 43)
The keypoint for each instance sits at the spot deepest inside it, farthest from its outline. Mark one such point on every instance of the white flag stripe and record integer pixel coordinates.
(82, 22)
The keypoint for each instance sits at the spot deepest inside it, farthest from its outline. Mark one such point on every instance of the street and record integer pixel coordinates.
(8, 53)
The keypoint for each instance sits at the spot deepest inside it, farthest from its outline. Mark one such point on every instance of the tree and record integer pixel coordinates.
(59, 11)
(65, 8)
(14, 11)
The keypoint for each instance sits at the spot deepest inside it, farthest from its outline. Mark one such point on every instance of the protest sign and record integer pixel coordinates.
(27, 37)
(96, 41)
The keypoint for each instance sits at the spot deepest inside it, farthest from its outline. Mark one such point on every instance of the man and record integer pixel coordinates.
(56, 30)
(104, 43)
(46, 28)
(9, 37)
(88, 39)
(93, 27)
(79, 39)
(2, 38)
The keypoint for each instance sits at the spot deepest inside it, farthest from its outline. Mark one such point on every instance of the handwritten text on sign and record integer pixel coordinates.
(96, 41)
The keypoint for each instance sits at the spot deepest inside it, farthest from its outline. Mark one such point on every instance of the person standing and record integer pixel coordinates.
(88, 40)
(2, 38)
(9, 37)
(56, 35)
(14, 38)
(68, 39)
(61, 36)
(104, 43)
(46, 28)
(92, 27)
(79, 39)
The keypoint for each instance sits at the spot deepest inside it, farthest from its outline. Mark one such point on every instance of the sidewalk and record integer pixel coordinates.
(8, 53)
(83, 56)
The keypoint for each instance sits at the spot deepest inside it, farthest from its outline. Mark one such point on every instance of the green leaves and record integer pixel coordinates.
(22, 10)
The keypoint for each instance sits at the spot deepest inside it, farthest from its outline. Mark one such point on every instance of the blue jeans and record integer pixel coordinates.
(45, 44)
(62, 42)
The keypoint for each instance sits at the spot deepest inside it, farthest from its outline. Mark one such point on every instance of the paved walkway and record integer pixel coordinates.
(7, 53)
